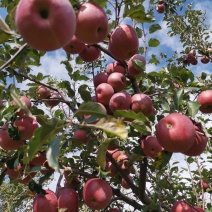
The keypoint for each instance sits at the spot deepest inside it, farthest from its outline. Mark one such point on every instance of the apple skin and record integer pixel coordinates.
(26, 126)
(181, 206)
(204, 184)
(200, 143)
(124, 183)
(161, 8)
(114, 152)
(120, 101)
(205, 99)
(46, 25)
(75, 46)
(92, 23)
(175, 132)
(48, 168)
(100, 78)
(115, 67)
(68, 198)
(113, 210)
(117, 81)
(104, 92)
(150, 146)
(131, 69)
(82, 136)
(26, 101)
(198, 209)
(122, 160)
(97, 193)
(110, 168)
(204, 59)
(39, 159)
(123, 42)
(14, 173)
(43, 92)
(47, 202)
(53, 103)
(6, 142)
(90, 53)
(141, 103)
(73, 183)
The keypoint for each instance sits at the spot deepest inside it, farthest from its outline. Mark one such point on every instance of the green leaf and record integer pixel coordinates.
(193, 108)
(111, 126)
(131, 114)
(101, 155)
(162, 159)
(141, 127)
(66, 84)
(178, 98)
(138, 65)
(85, 94)
(165, 105)
(53, 153)
(90, 108)
(153, 42)
(5, 32)
(101, 3)
(153, 28)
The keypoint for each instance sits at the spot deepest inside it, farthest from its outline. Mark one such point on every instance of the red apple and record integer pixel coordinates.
(122, 160)
(120, 101)
(198, 209)
(100, 78)
(181, 206)
(82, 136)
(92, 23)
(117, 81)
(200, 143)
(97, 193)
(26, 101)
(38, 159)
(73, 183)
(113, 210)
(124, 183)
(150, 146)
(110, 168)
(205, 100)
(192, 52)
(43, 92)
(90, 53)
(54, 99)
(46, 25)
(191, 59)
(104, 92)
(114, 152)
(161, 8)
(68, 199)
(45, 202)
(133, 69)
(204, 59)
(115, 67)
(175, 133)
(26, 126)
(142, 103)
(75, 46)
(204, 184)
(123, 42)
(6, 142)
(48, 168)
(14, 173)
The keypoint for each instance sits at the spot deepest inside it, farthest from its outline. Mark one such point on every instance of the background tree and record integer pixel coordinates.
(53, 127)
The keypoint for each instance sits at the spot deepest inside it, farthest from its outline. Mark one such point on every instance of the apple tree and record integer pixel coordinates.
(124, 124)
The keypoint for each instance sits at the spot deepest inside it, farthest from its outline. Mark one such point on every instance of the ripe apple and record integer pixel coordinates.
(113, 210)
(124, 183)
(104, 92)
(198, 209)
(175, 132)
(82, 136)
(72, 183)
(141, 103)
(122, 160)
(205, 99)
(150, 146)
(14, 173)
(52, 102)
(117, 81)
(39, 159)
(191, 58)
(120, 101)
(110, 168)
(75, 46)
(192, 52)
(199, 144)
(43, 92)
(6, 142)
(204, 184)
(181, 206)
(48, 168)
(161, 8)
(194, 62)
(97, 193)
(26, 126)
(134, 70)
(114, 152)
(204, 59)
(123, 42)
(46, 25)
(47, 202)
(26, 101)
(90, 53)
(100, 78)
(92, 23)
(115, 67)
(68, 199)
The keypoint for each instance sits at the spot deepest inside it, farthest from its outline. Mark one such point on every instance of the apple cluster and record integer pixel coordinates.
(182, 206)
